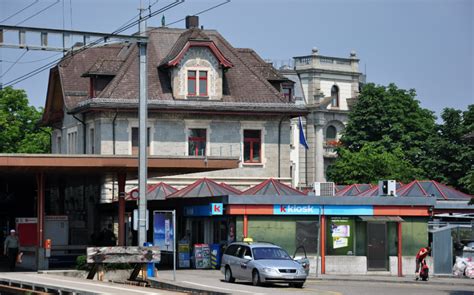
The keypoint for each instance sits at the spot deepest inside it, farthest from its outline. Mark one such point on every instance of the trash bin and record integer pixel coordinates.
(150, 267)
(215, 256)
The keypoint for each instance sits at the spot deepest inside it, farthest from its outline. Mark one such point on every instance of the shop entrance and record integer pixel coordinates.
(377, 258)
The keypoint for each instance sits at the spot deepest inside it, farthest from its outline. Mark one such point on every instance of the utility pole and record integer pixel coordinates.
(142, 124)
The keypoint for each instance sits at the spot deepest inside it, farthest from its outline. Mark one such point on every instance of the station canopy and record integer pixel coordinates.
(204, 187)
(431, 188)
(158, 191)
(272, 187)
(354, 189)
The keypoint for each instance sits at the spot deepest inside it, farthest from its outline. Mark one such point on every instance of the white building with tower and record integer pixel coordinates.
(328, 87)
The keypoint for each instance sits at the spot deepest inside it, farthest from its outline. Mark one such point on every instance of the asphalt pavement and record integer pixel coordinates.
(212, 282)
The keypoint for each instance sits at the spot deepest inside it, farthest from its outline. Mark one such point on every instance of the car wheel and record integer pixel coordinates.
(228, 275)
(256, 278)
(297, 285)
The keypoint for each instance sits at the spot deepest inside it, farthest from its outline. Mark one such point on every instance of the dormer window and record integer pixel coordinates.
(195, 89)
(288, 93)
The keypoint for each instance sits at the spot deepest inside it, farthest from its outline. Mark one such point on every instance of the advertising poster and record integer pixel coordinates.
(163, 231)
(341, 236)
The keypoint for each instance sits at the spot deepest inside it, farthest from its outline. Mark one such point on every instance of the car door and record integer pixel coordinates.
(232, 257)
(245, 257)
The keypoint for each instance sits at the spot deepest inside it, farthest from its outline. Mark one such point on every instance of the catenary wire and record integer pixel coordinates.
(13, 64)
(48, 65)
(37, 13)
(20, 11)
(31, 61)
(201, 12)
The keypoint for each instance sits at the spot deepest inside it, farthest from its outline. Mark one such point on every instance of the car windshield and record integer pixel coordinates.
(270, 253)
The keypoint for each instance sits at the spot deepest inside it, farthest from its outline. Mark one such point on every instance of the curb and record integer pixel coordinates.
(372, 280)
(164, 285)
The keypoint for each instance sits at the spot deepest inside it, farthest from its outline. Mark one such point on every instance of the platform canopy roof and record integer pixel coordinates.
(374, 190)
(354, 189)
(272, 187)
(157, 191)
(431, 188)
(204, 187)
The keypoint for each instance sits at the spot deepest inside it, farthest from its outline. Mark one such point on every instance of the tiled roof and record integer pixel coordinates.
(158, 191)
(245, 82)
(203, 187)
(353, 189)
(272, 187)
(431, 188)
(252, 59)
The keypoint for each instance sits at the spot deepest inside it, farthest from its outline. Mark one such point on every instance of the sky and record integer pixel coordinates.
(427, 45)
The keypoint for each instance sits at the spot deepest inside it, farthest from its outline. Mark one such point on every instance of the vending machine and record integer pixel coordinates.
(202, 256)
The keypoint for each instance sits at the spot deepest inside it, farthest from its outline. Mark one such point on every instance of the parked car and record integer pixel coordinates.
(261, 262)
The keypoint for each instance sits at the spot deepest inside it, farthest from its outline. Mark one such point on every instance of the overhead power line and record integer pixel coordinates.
(37, 13)
(30, 61)
(201, 12)
(17, 60)
(20, 11)
(91, 44)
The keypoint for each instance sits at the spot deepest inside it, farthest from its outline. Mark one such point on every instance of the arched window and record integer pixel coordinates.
(335, 96)
(331, 133)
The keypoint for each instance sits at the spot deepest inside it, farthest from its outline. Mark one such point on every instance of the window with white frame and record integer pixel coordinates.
(197, 138)
(197, 83)
(72, 142)
(58, 144)
(335, 96)
(92, 140)
(136, 140)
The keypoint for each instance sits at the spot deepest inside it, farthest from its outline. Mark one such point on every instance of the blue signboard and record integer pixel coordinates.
(366, 210)
(163, 231)
(296, 209)
(204, 210)
(217, 208)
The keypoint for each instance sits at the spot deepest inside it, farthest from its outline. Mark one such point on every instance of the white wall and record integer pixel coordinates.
(344, 92)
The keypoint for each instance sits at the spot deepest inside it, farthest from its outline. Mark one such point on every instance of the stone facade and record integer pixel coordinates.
(328, 86)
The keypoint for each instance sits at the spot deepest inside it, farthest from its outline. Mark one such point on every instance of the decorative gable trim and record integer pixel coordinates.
(209, 44)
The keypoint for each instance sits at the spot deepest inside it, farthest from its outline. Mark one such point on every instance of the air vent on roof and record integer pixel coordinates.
(326, 189)
(387, 188)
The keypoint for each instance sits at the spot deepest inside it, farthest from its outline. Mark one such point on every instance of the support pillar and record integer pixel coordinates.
(400, 244)
(40, 183)
(246, 226)
(323, 244)
(121, 177)
(319, 156)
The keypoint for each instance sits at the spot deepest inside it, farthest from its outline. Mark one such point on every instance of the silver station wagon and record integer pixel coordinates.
(261, 262)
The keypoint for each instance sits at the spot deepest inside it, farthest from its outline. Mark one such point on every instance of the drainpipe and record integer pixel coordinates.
(113, 132)
(279, 144)
(84, 135)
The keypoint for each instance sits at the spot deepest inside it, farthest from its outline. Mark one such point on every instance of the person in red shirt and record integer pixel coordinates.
(420, 256)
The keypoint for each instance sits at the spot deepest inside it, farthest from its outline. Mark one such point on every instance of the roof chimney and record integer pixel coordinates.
(192, 21)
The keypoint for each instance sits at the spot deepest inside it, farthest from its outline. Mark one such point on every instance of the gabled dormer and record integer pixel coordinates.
(101, 74)
(195, 65)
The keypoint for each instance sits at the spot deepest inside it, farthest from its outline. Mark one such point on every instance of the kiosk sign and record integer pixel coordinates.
(296, 210)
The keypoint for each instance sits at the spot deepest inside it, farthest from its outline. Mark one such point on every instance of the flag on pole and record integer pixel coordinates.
(302, 137)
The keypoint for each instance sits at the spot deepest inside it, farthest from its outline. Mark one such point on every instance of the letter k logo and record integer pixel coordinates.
(282, 209)
(217, 208)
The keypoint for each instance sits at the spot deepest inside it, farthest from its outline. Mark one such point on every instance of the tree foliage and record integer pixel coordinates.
(373, 162)
(452, 153)
(19, 132)
(387, 137)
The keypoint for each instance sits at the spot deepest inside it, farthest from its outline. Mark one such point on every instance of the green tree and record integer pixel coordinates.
(371, 164)
(452, 154)
(388, 136)
(19, 132)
